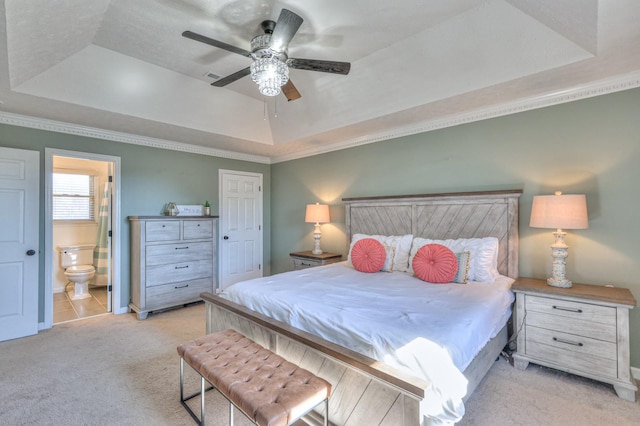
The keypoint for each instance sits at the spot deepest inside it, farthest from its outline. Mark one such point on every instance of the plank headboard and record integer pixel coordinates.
(442, 216)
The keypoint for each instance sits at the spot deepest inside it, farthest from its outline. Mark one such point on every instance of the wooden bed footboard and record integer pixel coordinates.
(364, 391)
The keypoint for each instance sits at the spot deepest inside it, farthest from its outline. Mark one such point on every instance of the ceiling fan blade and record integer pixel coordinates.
(290, 91)
(232, 77)
(215, 43)
(286, 27)
(317, 65)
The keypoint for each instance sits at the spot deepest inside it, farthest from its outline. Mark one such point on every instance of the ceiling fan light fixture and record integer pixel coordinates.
(271, 62)
(270, 74)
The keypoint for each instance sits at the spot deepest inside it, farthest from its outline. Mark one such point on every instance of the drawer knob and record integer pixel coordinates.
(568, 342)
(562, 308)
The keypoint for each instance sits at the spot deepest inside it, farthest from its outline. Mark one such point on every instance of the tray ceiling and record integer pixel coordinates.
(123, 66)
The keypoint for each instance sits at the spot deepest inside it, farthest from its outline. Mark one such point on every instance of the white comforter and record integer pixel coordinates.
(432, 331)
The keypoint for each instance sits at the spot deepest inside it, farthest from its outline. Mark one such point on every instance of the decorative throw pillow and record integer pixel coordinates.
(435, 263)
(483, 255)
(401, 249)
(368, 255)
(462, 273)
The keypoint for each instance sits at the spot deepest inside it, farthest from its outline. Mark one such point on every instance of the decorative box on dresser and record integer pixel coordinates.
(173, 260)
(582, 330)
(306, 259)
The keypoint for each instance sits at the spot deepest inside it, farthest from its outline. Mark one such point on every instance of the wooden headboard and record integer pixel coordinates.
(442, 216)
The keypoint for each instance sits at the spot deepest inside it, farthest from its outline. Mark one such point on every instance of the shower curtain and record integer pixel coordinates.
(101, 251)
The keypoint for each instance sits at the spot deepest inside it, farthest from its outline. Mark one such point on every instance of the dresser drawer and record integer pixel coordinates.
(177, 272)
(305, 263)
(162, 231)
(578, 310)
(175, 253)
(576, 352)
(571, 342)
(594, 330)
(197, 229)
(582, 319)
(177, 293)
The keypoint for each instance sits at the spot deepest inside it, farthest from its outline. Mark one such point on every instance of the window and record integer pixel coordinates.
(74, 196)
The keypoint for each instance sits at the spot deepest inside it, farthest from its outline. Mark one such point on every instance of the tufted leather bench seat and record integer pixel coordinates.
(268, 389)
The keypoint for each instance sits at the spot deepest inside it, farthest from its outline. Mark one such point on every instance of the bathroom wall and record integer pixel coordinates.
(74, 233)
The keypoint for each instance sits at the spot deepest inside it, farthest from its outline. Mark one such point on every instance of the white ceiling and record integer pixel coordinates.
(122, 66)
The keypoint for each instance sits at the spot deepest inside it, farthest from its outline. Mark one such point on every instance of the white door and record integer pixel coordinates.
(240, 243)
(19, 222)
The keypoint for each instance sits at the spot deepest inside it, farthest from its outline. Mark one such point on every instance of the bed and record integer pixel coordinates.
(369, 387)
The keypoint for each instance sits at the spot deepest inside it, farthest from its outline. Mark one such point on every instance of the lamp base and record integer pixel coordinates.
(559, 253)
(559, 283)
(316, 236)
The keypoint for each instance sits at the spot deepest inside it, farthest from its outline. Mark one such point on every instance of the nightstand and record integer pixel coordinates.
(582, 330)
(306, 259)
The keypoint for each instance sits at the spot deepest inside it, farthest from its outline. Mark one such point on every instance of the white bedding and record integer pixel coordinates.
(432, 331)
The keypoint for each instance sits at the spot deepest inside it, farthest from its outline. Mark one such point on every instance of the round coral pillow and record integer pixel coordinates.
(435, 263)
(368, 255)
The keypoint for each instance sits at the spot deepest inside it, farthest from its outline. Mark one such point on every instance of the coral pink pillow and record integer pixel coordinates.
(435, 263)
(368, 255)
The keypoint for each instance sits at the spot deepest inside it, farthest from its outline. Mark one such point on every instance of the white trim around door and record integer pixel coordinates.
(241, 228)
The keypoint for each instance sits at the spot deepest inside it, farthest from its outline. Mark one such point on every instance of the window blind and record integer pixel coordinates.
(73, 197)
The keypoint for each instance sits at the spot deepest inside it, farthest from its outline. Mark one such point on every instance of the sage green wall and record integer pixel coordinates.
(590, 146)
(150, 177)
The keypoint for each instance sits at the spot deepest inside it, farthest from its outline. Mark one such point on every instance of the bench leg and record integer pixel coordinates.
(326, 412)
(230, 414)
(181, 379)
(183, 399)
(202, 401)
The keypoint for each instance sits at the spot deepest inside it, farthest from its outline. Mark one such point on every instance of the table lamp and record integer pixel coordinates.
(560, 212)
(317, 213)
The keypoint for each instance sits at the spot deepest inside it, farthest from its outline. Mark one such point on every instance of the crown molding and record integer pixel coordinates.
(597, 88)
(90, 132)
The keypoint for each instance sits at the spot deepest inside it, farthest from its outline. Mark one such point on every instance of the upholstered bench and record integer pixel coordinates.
(268, 389)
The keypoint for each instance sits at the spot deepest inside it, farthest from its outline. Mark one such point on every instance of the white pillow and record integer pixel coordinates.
(401, 246)
(483, 266)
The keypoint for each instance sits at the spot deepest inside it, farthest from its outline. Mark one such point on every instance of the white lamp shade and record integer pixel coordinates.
(317, 213)
(559, 211)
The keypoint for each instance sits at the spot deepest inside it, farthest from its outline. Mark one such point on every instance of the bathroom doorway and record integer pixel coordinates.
(80, 237)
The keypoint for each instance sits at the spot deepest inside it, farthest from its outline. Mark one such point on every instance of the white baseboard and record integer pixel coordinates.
(125, 310)
(635, 372)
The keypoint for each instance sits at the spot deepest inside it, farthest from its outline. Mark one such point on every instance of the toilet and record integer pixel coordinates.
(76, 261)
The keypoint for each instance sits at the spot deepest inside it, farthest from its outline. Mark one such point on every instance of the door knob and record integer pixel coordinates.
(226, 237)
(31, 252)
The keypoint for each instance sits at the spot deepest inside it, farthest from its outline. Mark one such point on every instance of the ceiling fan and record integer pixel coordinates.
(270, 66)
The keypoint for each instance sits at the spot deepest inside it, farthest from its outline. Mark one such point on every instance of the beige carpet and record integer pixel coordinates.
(543, 396)
(116, 370)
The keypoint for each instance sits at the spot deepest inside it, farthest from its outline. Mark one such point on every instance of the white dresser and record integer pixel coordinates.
(173, 260)
(583, 330)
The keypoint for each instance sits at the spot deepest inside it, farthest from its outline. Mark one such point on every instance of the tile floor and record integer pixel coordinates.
(65, 309)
